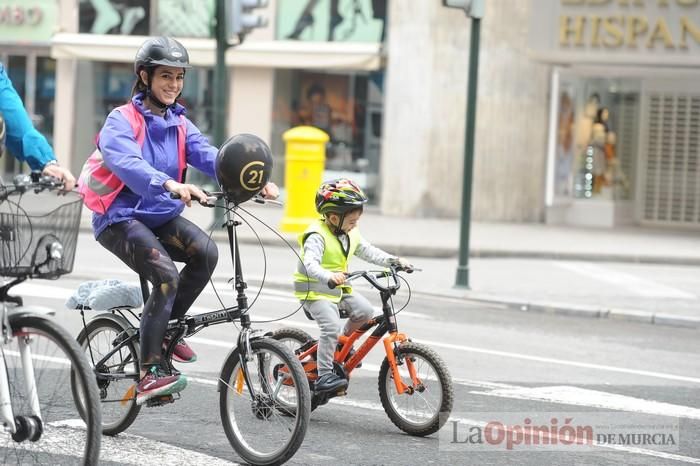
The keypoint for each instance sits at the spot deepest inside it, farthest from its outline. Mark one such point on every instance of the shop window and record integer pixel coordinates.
(127, 17)
(332, 20)
(45, 95)
(597, 133)
(347, 107)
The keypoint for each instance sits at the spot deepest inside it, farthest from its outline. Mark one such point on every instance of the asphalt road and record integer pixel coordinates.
(507, 366)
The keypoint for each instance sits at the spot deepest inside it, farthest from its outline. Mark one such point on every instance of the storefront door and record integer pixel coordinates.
(669, 188)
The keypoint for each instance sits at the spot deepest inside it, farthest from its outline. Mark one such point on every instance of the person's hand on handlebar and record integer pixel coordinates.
(338, 278)
(187, 192)
(270, 191)
(403, 264)
(60, 173)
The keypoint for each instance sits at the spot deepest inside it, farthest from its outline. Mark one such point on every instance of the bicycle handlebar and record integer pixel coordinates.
(36, 181)
(372, 276)
(212, 197)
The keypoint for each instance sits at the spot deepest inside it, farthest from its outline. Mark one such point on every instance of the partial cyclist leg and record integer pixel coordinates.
(186, 242)
(137, 246)
(359, 309)
(325, 313)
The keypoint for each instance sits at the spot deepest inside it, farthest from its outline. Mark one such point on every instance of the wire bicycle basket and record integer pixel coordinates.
(38, 233)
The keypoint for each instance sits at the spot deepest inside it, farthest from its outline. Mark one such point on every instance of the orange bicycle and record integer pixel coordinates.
(415, 386)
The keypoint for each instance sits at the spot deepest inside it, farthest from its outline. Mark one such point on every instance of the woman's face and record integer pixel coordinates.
(166, 83)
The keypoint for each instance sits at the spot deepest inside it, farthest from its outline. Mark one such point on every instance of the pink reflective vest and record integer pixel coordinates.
(98, 185)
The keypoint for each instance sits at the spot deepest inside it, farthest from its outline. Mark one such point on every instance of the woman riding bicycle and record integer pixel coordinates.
(143, 143)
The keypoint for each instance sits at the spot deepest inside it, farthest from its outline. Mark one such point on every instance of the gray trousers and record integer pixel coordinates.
(326, 314)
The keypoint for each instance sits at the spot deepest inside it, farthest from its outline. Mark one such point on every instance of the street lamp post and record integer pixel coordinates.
(234, 19)
(475, 10)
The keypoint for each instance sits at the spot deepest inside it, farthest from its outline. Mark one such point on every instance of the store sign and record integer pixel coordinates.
(27, 20)
(331, 20)
(621, 31)
(126, 17)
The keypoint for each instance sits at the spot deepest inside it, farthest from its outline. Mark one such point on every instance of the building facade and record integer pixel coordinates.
(587, 112)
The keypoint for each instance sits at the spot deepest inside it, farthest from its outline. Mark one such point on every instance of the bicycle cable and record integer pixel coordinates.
(291, 248)
(236, 212)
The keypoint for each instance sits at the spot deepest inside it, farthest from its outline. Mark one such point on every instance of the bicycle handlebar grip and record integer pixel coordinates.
(331, 284)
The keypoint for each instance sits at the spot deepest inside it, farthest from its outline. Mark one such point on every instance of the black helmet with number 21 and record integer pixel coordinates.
(243, 167)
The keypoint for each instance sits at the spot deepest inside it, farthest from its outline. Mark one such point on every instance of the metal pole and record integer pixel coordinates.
(220, 103)
(462, 280)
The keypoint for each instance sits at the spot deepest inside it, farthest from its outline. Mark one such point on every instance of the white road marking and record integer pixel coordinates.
(564, 362)
(632, 283)
(593, 398)
(45, 290)
(626, 449)
(66, 437)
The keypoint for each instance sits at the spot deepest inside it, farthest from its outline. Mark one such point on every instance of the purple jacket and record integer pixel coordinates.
(144, 169)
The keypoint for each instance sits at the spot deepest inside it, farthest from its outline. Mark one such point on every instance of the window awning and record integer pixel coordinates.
(262, 54)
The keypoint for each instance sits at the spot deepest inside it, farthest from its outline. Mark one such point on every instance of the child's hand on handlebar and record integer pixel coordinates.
(187, 192)
(338, 278)
(403, 264)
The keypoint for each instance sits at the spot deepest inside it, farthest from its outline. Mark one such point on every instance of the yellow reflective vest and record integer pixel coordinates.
(335, 259)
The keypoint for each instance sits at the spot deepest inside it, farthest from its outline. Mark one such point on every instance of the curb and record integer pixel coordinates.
(438, 252)
(563, 309)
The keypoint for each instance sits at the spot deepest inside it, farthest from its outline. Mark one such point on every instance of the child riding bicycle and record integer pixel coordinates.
(326, 246)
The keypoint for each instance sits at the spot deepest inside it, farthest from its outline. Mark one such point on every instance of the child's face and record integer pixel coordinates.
(349, 222)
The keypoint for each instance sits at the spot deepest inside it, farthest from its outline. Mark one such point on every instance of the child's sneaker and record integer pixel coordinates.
(182, 352)
(158, 383)
(330, 382)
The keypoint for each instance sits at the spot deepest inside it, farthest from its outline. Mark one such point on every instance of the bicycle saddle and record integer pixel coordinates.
(103, 295)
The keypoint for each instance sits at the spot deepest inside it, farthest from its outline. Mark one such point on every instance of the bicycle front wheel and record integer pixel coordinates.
(267, 426)
(427, 404)
(40, 361)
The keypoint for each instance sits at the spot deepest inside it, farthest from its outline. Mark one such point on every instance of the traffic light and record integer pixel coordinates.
(473, 8)
(241, 17)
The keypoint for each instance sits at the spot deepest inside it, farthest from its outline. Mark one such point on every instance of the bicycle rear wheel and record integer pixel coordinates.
(63, 436)
(117, 375)
(269, 427)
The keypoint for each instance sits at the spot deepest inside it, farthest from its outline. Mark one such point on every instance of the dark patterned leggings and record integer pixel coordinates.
(150, 253)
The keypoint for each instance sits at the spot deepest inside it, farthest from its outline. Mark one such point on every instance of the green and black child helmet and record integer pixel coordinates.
(339, 196)
(243, 167)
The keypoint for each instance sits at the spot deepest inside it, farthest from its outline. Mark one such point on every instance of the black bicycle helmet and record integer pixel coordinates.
(243, 167)
(161, 51)
(339, 196)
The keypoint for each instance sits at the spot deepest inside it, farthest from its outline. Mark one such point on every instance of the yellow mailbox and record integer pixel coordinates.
(305, 159)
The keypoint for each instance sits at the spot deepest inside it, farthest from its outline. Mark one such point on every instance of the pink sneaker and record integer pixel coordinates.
(182, 353)
(157, 383)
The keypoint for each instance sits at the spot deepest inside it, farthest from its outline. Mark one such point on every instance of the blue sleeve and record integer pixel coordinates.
(123, 156)
(23, 140)
(200, 154)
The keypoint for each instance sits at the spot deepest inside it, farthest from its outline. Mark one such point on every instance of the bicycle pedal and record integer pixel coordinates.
(160, 401)
(341, 392)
